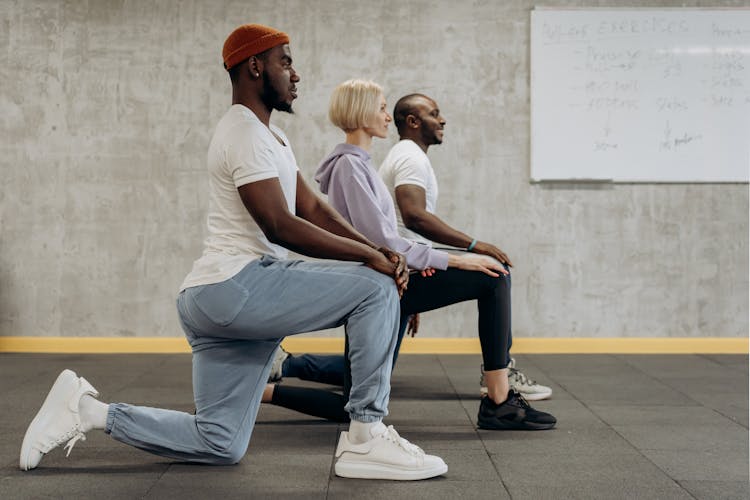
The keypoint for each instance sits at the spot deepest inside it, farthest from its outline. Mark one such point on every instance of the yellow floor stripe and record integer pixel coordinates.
(682, 345)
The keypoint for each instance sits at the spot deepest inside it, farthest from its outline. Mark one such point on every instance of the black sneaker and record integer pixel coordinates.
(512, 414)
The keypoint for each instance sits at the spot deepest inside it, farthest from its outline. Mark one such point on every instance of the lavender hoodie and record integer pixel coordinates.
(356, 190)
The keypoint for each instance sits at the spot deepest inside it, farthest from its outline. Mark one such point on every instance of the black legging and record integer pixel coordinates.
(452, 286)
(456, 285)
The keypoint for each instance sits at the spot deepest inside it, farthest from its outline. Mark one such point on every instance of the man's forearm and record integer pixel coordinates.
(433, 228)
(310, 239)
(326, 217)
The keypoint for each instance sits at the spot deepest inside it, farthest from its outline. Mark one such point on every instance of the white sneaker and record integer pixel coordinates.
(58, 420)
(530, 389)
(386, 456)
(278, 364)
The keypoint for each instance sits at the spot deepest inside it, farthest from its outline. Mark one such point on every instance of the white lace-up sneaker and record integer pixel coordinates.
(386, 456)
(58, 421)
(278, 364)
(530, 389)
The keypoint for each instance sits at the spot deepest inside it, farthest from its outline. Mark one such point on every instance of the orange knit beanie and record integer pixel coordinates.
(249, 40)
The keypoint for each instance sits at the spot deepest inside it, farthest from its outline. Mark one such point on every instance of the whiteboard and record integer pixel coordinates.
(640, 95)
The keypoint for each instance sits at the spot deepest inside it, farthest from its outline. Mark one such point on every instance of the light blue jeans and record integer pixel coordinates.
(234, 328)
(331, 369)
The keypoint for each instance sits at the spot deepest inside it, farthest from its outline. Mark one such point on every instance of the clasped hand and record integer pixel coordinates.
(393, 264)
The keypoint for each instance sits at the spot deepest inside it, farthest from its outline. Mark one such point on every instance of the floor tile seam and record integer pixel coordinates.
(156, 367)
(620, 435)
(623, 358)
(549, 377)
(614, 403)
(730, 418)
(562, 454)
(156, 481)
(701, 450)
(455, 391)
(331, 471)
(573, 396)
(662, 426)
(606, 424)
(722, 365)
(499, 477)
(654, 464)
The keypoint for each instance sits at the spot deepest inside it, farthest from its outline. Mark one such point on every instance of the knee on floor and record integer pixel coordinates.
(227, 456)
(222, 448)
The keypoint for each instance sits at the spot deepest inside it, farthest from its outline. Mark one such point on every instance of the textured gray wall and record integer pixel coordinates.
(107, 108)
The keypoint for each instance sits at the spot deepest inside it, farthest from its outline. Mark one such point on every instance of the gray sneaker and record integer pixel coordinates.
(278, 363)
(530, 389)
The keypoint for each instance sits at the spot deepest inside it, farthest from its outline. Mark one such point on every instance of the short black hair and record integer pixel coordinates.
(404, 107)
(234, 71)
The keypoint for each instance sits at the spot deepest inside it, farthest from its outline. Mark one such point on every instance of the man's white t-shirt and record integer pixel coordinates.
(406, 163)
(242, 150)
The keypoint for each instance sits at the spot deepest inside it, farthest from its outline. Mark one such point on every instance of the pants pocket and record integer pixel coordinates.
(221, 302)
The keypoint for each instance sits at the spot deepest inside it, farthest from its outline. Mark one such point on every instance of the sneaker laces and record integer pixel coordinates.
(79, 436)
(71, 438)
(519, 400)
(520, 377)
(513, 373)
(391, 435)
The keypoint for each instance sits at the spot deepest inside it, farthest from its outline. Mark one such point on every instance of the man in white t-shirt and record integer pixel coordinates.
(243, 297)
(409, 175)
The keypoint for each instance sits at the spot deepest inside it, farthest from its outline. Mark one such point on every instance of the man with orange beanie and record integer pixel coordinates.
(243, 296)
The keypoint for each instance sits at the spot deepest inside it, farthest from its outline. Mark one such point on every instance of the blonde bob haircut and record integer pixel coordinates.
(354, 103)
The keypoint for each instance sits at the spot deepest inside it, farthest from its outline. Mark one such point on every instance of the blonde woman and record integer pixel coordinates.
(354, 188)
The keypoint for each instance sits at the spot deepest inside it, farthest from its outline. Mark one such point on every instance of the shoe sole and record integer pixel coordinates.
(537, 396)
(516, 426)
(67, 377)
(359, 470)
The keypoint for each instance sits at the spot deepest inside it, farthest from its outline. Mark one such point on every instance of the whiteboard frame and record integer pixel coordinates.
(608, 180)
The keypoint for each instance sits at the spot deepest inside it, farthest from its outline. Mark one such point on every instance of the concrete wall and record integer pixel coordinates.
(107, 108)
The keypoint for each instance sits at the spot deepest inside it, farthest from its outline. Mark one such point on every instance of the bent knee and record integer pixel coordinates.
(388, 293)
(221, 448)
(227, 456)
(385, 285)
(500, 280)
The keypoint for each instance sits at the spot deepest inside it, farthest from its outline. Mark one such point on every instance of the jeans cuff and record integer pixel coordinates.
(110, 418)
(367, 419)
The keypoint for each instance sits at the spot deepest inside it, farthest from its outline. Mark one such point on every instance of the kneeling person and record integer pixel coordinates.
(411, 180)
(243, 297)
